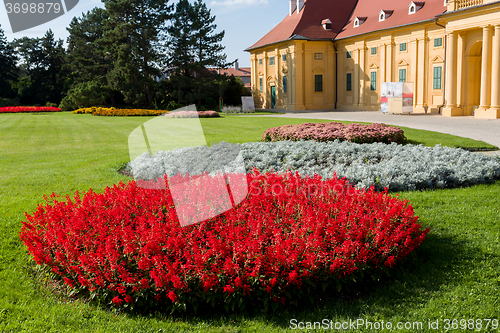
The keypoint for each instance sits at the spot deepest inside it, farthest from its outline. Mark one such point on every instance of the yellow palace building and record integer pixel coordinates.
(333, 54)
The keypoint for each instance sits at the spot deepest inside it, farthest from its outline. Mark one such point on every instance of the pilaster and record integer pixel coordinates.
(484, 103)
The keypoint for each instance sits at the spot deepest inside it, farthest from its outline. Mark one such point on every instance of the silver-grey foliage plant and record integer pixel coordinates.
(397, 167)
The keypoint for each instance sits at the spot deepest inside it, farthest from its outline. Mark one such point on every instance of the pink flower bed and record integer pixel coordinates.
(192, 114)
(17, 109)
(336, 131)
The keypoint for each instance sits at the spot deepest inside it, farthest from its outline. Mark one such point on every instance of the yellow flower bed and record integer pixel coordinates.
(98, 111)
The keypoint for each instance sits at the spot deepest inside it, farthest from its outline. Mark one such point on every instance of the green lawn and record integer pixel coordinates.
(455, 274)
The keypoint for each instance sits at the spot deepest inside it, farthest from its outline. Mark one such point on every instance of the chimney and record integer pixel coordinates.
(236, 66)
(300, 5)
(293, 6)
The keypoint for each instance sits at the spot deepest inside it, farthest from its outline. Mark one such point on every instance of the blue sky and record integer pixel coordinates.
(245, 22)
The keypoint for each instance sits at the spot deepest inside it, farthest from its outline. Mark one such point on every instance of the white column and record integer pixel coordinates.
(460, 69)
(355, 81)
(495, 71)
(267, 99)
(451, 71)
(420, 86)
(389, 57)
(451, 108)
(362, 75)
(382, 64)
(486, 70)
(341, 77)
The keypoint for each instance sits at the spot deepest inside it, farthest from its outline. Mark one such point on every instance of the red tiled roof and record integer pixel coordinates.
(307, 23)
(371, 9)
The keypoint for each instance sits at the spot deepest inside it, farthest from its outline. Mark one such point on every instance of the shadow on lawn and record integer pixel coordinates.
(438, 261)
(414, 142)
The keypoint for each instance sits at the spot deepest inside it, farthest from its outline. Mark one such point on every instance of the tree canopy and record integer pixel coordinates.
(116, 56)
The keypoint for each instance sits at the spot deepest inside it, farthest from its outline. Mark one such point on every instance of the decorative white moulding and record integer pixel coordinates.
(415, 7)
(384, 14)
(358, 20)
(327, 24)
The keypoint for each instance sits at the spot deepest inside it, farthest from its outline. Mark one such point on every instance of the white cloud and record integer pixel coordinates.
(237, 2)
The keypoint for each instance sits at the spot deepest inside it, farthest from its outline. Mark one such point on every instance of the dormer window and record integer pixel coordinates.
(415, 7)
(327, 24)
(358, 21)
(384, 14)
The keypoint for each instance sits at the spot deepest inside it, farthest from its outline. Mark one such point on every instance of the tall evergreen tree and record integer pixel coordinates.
(133, 36)
(87, 58)
(181, 41)
(8, 69)
(208, 48)
(194, 47)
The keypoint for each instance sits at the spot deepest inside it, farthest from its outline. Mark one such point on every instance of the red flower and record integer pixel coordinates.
(172, 296)
(293, 277)
(117, 300)
(228, 289)
(390, 261)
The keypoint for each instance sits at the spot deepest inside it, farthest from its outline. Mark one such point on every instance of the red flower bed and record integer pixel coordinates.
(17, 109)
(126, 246)
(336, 131)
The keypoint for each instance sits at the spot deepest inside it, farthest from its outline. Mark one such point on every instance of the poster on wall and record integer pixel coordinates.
(396, 89)
(407, 97)
(384, 98)
(396, 97)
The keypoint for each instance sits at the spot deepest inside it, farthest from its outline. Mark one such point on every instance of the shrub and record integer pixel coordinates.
(193, 114)
(98, 111)
(127, 248)
(17, 109)
(85, 94)
(323, 132)
(236, 109)
(397, 167)
(8, 102)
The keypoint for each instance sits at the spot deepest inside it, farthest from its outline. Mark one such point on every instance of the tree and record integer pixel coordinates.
(181, 41)
(194, 47)
(8, 69)
(134, 40)
(84, 95)
(87, 58)
(43, 79)
(208, 48)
